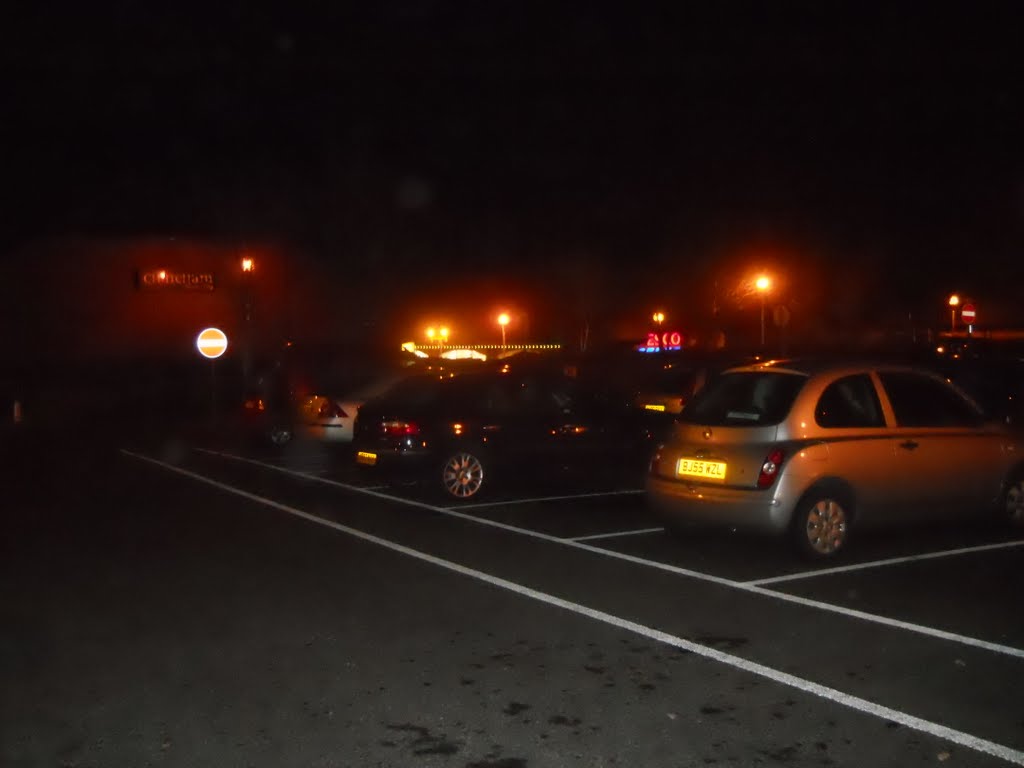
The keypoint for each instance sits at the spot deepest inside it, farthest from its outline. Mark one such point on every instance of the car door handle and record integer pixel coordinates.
(909, 444)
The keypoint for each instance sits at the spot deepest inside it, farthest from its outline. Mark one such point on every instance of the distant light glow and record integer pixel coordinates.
(763, 283)
(462, 354)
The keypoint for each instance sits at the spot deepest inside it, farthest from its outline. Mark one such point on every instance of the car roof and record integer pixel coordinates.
(812, 366)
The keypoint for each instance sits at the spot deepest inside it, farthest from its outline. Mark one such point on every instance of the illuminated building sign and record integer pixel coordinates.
(166, 280)
(662, 341)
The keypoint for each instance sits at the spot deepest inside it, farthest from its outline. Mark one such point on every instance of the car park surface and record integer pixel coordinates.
(377, 625)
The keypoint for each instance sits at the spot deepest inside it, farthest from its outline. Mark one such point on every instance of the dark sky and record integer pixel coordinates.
(651, 147)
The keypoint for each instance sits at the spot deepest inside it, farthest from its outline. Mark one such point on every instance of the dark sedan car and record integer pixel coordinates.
(463, 431)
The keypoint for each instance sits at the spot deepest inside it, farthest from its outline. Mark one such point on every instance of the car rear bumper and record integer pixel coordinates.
(398, 460)
(680, 504)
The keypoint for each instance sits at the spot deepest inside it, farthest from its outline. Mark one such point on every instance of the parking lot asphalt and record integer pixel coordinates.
(202, 603)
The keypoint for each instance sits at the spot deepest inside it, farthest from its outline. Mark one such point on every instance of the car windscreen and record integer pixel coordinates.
(744, 398)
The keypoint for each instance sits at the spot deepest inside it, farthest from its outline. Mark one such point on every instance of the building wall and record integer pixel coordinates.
(79, 299)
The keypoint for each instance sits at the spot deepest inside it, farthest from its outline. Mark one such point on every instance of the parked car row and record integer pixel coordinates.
(814, 449)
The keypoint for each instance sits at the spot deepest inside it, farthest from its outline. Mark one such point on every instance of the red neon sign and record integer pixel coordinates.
(666, 339)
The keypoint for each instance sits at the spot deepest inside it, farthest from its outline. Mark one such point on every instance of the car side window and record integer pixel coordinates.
(849, 402)
(922, 401)
(538, 394)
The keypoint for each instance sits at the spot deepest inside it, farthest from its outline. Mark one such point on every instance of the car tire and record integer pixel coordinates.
(280, 435)
(464, 473)
(821, 523)
(1011, 506)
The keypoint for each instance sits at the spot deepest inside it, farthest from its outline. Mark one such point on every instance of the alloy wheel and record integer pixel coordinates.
(826, 527)
(1015, 502)
(463, 475)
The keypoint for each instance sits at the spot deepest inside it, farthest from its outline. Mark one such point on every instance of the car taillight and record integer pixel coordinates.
(770, 468)
(400, 428)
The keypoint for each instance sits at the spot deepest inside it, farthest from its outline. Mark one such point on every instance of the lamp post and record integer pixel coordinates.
(503, 321)
(954, 302)
(248, 267)
(658, 318)
(763, 284)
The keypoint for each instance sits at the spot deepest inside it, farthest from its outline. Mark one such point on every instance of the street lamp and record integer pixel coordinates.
(763, 284)
(658, 318)
(443, 331)
(954, 302)
(503, 321)
(248, 265)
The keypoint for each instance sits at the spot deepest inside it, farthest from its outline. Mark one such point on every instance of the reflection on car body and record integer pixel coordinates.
(815, 449)
(463, 429)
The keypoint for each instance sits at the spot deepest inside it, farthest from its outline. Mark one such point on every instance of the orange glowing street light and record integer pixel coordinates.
(503, 319)
(248, 264)
(954, 302)
(763, 285)
(658, 317)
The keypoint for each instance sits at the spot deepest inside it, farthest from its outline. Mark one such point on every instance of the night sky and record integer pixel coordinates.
(580, 154)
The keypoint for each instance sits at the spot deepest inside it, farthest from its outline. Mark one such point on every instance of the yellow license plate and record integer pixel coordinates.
(365, 457)
(654, 407)
(709, 470)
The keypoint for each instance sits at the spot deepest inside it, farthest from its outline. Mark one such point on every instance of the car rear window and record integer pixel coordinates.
(744, 398)
(465, 393)
(414, 390)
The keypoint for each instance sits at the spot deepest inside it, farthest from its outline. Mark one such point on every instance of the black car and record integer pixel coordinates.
(996, 383)
(464, 431)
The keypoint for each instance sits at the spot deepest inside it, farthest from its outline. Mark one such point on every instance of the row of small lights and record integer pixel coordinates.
(492, 346)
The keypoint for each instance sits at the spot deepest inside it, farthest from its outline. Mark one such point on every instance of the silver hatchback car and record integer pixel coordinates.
(815, 449)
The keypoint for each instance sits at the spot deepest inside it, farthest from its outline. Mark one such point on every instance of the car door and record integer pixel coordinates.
(860, 448)
(948, 464)
(552, 420)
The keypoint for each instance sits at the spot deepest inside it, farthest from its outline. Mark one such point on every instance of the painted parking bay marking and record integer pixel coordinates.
(616, 534)
(856, 703)
(886, 562)
(805, 602)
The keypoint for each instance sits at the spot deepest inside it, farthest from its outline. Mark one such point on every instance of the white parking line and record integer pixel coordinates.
(510, 502)
(856, 703)
(616, 534)
(698, 575)
(889, 561)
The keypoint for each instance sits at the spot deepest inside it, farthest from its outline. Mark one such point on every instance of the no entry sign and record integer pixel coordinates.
(968, 314)
(211, 343)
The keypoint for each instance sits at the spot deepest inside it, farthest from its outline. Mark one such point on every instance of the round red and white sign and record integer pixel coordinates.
(212, 343)
(968, 314)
